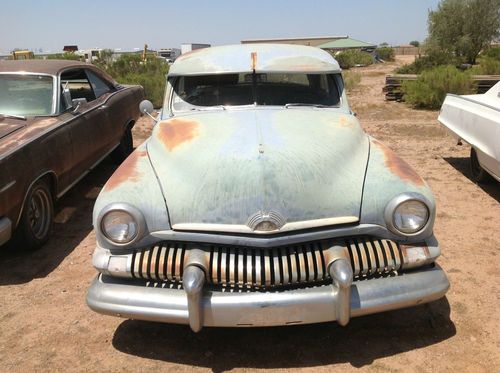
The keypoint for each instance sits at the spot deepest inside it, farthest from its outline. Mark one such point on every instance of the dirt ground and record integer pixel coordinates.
(45, 324)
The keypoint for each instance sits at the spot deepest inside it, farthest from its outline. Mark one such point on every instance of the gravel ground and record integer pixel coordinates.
(45, 324)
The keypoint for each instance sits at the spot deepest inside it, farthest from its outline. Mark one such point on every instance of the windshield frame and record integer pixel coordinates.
(54, 89)
(172, 81)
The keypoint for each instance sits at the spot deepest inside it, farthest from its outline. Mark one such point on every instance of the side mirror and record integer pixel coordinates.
(146, 107)
(76, 102)
(67, 98)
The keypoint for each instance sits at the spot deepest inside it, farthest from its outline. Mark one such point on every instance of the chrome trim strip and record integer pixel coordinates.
(131, 299)
(240, 228)
(7, 186)
(286, 239)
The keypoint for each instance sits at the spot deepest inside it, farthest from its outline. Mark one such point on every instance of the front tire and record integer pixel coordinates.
(479, 175)
(125, 148)
(36, 219)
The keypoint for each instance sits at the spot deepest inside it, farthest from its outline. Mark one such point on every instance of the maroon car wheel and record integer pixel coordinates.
(37, 217)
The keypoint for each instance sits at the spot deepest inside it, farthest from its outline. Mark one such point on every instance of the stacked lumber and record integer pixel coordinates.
(392, 88)
(393, 84)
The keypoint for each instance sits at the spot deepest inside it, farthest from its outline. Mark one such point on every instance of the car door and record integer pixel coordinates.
(111, 131)
(90, 117)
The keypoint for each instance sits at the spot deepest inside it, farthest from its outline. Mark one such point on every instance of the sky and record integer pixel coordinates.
(129, 24)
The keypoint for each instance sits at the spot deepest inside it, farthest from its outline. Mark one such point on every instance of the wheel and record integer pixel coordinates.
(478, 173)
(126, 147)
(36, 219)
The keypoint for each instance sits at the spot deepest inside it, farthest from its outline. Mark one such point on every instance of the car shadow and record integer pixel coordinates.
(73, 222)
(462, 165)
(360, 343)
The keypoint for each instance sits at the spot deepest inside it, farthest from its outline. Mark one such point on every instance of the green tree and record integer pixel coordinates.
(415, 43)
(464, 27)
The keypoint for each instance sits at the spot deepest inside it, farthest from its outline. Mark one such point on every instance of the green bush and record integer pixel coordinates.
(385, 53)
(493, 52)
(63, 56)
(130, 69)
(351, 79)
(486, 66)
(352, 58)
(431, 87)
(432, 59)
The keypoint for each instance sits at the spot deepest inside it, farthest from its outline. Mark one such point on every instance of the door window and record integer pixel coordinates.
(99, 86)
(78, 84)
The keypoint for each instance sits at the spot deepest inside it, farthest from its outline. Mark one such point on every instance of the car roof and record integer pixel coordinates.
(279, 58)
(52, 67)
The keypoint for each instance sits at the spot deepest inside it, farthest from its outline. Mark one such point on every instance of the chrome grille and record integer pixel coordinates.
(262, 268)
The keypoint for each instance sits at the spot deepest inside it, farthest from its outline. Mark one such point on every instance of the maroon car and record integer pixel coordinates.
(58, 119)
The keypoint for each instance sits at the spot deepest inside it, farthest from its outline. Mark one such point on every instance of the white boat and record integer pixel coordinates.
(475, 119)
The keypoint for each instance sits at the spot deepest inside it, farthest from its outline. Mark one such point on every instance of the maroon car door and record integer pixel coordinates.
(90, 143)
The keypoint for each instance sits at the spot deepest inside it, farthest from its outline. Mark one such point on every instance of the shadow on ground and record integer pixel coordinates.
(462, 165)
(361, 342)
(73, 222)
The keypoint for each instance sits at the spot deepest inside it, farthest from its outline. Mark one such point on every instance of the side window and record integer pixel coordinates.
(99, 86)
(78, 84)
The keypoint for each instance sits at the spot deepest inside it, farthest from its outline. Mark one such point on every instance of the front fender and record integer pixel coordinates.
(388, 176)
(134, 182)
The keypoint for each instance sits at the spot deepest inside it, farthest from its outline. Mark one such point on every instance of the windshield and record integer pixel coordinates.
(204, 91)
(26, 94)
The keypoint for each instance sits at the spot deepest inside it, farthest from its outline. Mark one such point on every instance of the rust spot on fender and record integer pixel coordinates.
(175, 132)
(345, 122)
(398, 166)
(127, 171)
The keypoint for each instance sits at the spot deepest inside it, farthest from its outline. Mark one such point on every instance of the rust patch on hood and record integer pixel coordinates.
(128, 171)
(175, 132)
(398, 166)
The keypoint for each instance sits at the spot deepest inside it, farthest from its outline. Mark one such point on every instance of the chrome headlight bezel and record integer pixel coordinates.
(134, 213)
(398, 201)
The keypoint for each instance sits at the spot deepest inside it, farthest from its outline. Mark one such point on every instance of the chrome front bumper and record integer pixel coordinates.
(132, 299)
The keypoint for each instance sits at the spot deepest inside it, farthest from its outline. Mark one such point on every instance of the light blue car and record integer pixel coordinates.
(259, 200)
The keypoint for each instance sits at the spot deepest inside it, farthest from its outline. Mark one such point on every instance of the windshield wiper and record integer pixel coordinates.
(22, 117)
(310, 105)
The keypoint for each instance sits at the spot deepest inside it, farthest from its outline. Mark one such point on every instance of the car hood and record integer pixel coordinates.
(300, 168)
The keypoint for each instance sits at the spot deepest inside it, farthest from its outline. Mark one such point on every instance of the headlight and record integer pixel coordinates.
(119, 226)
(410, 216)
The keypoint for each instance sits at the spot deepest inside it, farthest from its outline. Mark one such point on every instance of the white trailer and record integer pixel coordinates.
(188, 47)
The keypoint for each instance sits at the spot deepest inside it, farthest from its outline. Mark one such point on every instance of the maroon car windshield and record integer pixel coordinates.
(26, 95)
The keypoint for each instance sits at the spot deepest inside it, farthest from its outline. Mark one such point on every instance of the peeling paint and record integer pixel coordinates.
(128, 171)
(398, 166)
(175, 132)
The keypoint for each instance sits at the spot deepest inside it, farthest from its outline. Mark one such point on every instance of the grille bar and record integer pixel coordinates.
(262, 268)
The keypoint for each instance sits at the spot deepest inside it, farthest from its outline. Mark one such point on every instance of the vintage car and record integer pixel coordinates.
(259, 200)
(475, 119)
(58, 119)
